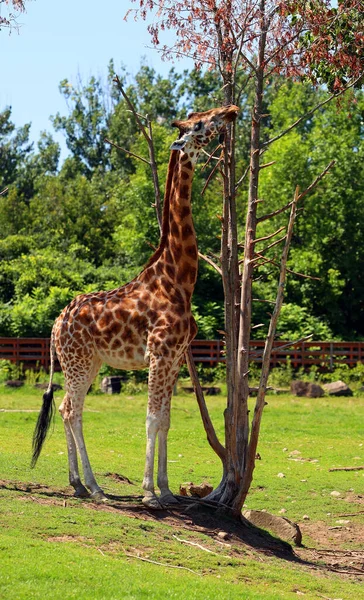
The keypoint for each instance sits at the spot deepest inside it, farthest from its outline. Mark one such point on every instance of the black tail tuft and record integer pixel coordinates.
(42, 426)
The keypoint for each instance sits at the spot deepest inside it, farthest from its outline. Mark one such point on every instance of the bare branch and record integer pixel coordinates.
(315, 181)
(209, 428)
(260, 401)
(313, 110)
(272, 162)
(153, 165)
(211, 175)
(267, 237)
(361, 468)
(198, 546)
(210, 262)
(154, 562)
(301, 195)
(273, 262)
(4, 191)
(273, 213)
(132, 109)
(148, 135)
(238, 183)
(273, 244)
(283, 346)
(262, 300)
(144, 160)
(211, 156)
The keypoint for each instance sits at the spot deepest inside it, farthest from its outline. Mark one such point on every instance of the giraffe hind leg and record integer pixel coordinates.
(71, 410)
(74, 476)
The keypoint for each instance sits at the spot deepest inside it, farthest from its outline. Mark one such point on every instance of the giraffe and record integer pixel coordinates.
(145, 323)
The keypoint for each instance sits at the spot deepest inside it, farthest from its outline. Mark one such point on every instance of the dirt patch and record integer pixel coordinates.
(333, 551)
(119, 478)
(67, 538)
(341, 535)
(357, 498)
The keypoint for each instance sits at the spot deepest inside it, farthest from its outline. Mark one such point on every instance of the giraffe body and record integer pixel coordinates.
(146, 323)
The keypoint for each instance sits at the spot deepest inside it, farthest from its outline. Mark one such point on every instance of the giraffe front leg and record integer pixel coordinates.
(152, 425)
(166, 496)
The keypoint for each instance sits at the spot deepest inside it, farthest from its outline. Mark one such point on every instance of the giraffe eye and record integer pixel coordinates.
(198, 126)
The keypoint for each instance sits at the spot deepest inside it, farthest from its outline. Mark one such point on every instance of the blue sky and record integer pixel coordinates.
(58, 40)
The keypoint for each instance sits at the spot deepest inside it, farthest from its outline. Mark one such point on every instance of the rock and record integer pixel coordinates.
(338, 388)
(299, 388)
(223, 535)
(335, 494)
(281, 475)
(307, 389)
(305, 518)
(315, 391)
(16, 383)
(44, 386)
(342, 521)
(282, 511)
(199, 491)
(280, 526)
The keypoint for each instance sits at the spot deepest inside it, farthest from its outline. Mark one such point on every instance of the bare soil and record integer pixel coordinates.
(325, 549)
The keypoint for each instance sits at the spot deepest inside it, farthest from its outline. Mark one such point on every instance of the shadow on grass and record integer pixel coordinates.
(198, 516)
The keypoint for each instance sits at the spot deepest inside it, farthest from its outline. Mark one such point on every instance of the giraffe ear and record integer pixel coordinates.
(181, 125)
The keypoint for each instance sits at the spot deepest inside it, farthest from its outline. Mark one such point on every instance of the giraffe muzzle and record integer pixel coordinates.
(178, 144)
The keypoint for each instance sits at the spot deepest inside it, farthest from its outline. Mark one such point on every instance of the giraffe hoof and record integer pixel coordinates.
(152, 502)
(99, 496)
(81, 493)
(168, 499)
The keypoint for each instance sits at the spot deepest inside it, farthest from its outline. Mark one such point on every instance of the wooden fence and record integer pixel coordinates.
(33, 353)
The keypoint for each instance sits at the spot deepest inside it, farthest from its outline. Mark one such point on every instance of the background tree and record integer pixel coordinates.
(102, 222)
(296, 40)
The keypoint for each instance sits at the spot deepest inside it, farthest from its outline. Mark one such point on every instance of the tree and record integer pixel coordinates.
(296, 40)
(12, 9)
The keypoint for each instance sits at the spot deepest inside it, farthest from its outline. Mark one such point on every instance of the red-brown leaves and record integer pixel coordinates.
(302, 38)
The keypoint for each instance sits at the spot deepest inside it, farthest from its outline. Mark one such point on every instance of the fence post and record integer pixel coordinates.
(331, 364)
(17, 350)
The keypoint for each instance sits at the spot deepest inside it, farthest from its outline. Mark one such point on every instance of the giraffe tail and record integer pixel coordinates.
(46, 413)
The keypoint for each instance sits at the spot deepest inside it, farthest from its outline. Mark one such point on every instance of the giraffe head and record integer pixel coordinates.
(200, 128)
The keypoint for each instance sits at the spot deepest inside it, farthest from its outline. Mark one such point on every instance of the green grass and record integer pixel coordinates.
(51, 548)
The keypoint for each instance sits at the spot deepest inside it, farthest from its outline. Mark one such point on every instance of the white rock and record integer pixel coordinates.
(306, 518)
(282, 511)
(281, 475)
(335, 494)
(342, 521)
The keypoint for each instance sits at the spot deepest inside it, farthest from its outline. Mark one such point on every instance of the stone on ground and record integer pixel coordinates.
(280, 526)
(338, 388)
(307, 389)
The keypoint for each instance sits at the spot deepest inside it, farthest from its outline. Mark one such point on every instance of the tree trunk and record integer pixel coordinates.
(238, 297)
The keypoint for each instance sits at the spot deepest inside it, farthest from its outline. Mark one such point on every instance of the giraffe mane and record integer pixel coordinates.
(166, 207)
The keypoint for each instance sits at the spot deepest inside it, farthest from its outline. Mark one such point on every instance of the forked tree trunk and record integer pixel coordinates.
(238, 300)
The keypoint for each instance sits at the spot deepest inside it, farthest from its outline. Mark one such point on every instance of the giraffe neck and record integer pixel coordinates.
(179, 257)
(175, 260)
